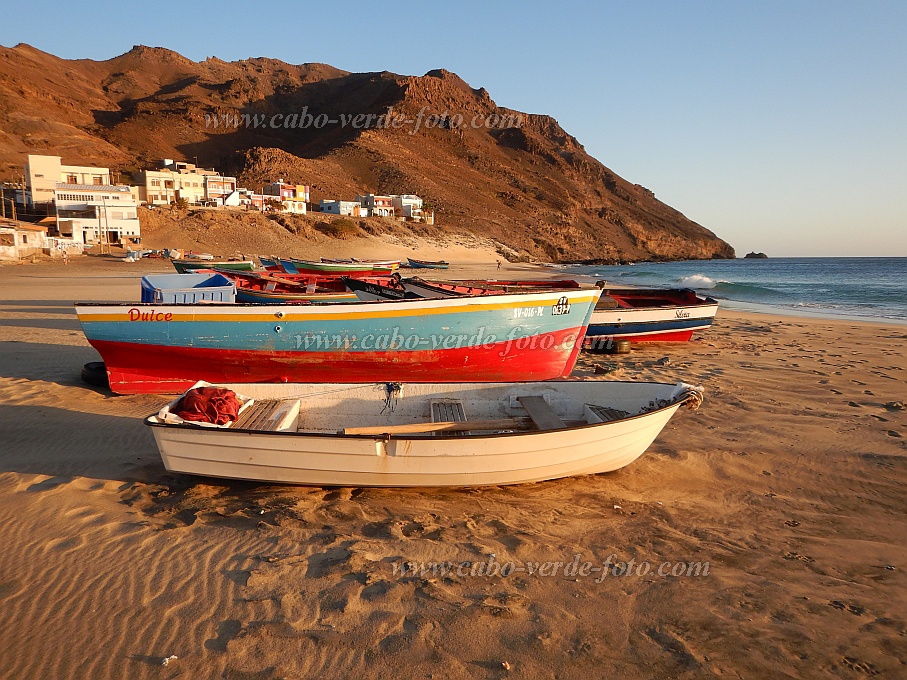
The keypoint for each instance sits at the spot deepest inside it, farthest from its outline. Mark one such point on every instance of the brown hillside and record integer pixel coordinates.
(526, 182)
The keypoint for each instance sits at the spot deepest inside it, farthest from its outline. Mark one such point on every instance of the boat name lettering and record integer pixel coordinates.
(136, 314)
(562, 307)
(528, 312)
(682, 314)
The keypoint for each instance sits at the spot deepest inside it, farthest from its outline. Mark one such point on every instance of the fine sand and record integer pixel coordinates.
(787, 487)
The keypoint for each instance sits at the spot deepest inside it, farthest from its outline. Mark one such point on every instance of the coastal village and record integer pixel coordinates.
(62, 209)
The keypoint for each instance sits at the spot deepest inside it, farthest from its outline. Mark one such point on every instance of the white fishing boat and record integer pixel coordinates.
(423, 434)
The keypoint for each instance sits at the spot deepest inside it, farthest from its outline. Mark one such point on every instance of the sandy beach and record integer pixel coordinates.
(776, 516)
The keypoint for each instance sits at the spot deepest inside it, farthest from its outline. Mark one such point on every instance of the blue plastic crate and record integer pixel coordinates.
(181, 289)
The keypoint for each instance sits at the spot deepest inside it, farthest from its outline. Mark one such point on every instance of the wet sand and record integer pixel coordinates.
(787, 487)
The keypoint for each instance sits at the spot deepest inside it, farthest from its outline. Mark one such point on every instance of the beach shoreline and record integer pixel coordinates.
(788, 484)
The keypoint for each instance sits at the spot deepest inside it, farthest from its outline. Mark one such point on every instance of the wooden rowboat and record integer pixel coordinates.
(451, 434)
(427, 264)
(378, 263)
(352, 269)
(186, 266)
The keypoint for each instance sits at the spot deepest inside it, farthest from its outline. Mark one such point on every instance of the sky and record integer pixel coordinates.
(779, 125)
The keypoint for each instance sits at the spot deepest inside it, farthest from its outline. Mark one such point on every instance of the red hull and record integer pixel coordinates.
(139, 368)
(674, 336)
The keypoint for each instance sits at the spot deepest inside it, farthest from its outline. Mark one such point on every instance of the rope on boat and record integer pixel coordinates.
(392, 392)
(691, 395)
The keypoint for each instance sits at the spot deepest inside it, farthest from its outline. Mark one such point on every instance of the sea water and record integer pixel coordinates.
(852, 287)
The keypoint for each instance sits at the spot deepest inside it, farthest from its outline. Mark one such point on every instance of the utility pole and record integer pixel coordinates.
(106, 224)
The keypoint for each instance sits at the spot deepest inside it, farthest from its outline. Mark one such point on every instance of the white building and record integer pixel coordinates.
(351, 208)
(43, 173)
(18, 240)
(407, 205)
(91, 213)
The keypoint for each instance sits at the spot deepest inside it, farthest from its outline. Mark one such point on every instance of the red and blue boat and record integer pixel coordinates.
(492, 338)
(649, 315)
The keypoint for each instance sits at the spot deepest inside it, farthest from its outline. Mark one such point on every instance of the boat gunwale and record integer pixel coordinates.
(436, 436)
(459, 298)
(705, 302)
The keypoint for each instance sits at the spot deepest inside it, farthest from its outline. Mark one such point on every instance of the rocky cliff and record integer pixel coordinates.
(516, 177)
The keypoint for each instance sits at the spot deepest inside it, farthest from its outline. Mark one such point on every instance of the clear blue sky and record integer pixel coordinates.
(781, 126)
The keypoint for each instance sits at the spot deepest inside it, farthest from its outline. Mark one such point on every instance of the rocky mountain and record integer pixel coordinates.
(516, 177)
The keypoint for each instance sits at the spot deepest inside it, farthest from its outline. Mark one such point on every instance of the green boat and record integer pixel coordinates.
(187, 266)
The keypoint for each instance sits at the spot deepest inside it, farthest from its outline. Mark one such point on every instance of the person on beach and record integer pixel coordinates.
(499, 265)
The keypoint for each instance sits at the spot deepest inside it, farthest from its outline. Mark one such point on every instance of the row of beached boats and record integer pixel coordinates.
(287, 378)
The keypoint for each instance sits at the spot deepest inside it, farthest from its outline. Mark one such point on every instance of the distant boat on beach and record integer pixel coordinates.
(403, 435)
(378, 263)
(427, 264)
(352, 269)
(186, 266)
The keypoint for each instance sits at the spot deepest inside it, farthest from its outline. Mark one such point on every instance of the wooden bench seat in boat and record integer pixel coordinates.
(448, 411)
(603, 414)
(541, 413)
(269, 415)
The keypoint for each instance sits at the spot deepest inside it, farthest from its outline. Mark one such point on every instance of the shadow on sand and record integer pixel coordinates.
(60, 364)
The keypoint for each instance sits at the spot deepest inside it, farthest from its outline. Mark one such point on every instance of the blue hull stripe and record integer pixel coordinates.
(647, 327)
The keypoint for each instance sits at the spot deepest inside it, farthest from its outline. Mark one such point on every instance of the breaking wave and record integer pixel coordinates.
(697, 281)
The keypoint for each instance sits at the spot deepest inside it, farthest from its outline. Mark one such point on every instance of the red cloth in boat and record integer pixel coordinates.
(209, 404)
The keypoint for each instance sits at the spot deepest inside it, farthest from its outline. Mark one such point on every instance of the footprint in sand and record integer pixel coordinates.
(856, 664)
(854, 609)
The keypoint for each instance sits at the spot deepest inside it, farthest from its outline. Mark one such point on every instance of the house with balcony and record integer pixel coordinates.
(43, 173)
(171, 181)
(95, 213)
(409, 206)
(293, 197)
(221, 190)
(376, 206)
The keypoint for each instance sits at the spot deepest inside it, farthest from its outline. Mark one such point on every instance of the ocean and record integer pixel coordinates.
(847, 287)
